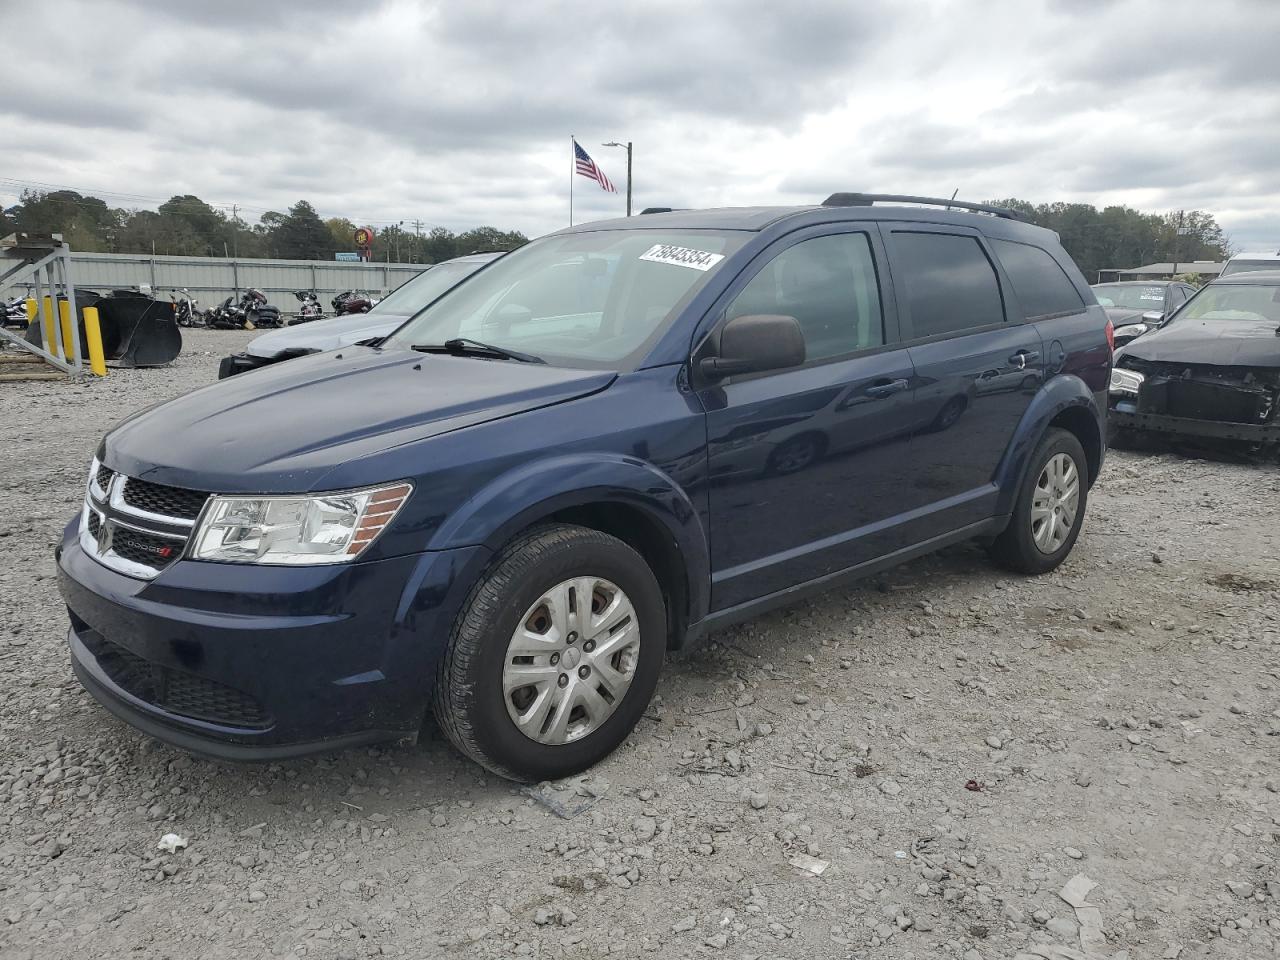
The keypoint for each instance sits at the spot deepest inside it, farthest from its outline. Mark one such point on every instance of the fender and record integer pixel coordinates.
(520, 498)
(1060, 393)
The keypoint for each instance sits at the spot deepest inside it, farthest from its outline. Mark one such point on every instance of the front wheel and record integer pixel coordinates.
(1050, 507)
(555, 655)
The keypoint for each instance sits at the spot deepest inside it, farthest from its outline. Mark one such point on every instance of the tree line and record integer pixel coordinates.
(1121, 237)
(188, 226)
(1113, 237)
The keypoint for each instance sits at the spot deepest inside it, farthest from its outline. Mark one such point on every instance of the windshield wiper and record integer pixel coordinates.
(466, 347)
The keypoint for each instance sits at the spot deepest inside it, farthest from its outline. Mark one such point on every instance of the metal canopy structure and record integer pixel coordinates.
(42, 262)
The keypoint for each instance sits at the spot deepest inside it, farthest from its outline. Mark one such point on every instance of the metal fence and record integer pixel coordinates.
(211, 279)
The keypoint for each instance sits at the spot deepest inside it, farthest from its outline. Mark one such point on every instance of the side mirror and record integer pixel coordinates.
(754, 343)
(1153, 316)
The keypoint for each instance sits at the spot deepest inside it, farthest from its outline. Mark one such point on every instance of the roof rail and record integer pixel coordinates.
(867, 199)
(656, 210)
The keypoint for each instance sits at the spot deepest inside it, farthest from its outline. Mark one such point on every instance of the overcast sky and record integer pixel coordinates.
(459, 113)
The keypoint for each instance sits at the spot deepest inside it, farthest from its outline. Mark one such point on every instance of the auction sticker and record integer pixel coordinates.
(681, 256)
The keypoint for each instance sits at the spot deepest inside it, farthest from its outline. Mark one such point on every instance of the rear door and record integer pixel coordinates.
(977, 366)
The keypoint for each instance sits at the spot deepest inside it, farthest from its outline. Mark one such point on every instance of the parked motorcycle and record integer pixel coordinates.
(15, 313)
(354, 301)
(185, 309)
(262, 314)
(249, 313)
(310, 307)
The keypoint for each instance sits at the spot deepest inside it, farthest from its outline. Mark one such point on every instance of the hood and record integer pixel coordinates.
(282, 429)
(319, 336)
(1226, 343)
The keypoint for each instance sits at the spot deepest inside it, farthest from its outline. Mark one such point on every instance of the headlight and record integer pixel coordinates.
(1126, 381)
(299, 531)
(1131, 331)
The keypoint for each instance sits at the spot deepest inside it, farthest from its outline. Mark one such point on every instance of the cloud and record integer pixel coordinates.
(459, 113)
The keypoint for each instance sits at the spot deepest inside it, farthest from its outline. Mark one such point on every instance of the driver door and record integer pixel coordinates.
(806, 462)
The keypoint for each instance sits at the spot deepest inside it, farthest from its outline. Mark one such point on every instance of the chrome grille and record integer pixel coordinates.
(136, 527)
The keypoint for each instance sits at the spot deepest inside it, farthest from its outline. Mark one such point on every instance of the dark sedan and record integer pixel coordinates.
(1212, 371)
(1138, 307)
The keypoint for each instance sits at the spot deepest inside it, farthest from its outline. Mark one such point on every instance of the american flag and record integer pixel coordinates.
(587, 168)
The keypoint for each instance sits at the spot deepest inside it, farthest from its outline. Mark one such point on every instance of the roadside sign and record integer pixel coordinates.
(353, 257)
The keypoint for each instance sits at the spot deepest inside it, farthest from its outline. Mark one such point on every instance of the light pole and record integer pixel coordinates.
(627, 145)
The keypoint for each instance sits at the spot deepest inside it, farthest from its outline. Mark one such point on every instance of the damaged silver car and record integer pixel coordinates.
(1212, 370)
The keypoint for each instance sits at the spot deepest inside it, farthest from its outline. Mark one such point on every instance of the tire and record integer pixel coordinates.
(1017, 548)
(470, 700)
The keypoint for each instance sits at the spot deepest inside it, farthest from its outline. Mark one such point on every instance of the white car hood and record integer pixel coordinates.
(321, 335)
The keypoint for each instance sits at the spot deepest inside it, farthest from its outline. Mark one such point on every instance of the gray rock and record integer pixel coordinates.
(1062, 927)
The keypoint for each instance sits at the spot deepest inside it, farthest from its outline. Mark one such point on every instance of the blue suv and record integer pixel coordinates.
(589, 453)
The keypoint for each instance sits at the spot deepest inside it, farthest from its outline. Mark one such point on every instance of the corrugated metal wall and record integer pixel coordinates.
(211, 279)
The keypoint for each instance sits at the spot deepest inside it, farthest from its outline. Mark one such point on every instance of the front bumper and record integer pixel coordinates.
(1188, 427)
(244, 662)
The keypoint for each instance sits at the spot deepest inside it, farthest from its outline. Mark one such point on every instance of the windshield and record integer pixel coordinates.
(1138, 296)
(412, 295)
(596, 299)
(1249, 266)
(1234, 302)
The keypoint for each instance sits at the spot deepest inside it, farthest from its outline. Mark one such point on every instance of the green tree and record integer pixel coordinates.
(1120, 237)
(343, 232)
(440, 244)
(488, 238)
(86, 223)
(301, 235)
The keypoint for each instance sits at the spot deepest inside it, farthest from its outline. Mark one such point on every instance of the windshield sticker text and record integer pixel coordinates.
(681, 256)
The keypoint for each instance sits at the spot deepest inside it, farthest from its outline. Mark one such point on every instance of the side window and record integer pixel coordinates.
(829, 285)
(950, 284)
(1041, 285)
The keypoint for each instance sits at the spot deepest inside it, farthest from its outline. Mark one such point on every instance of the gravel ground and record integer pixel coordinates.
(913, 767)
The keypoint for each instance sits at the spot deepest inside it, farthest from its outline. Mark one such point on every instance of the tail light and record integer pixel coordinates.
(1111, 336)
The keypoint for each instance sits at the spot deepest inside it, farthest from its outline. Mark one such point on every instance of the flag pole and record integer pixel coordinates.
(572, 166)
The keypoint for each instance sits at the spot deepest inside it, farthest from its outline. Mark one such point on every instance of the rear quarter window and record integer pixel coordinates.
(1042, 286)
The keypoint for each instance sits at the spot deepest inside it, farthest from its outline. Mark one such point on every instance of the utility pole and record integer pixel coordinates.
(235, 230)
(627, 145)
(1178, 232)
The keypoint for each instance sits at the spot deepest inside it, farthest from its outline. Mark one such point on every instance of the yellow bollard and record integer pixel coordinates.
(93, 338)
(31, 310)
(52, 342)
(70, 348)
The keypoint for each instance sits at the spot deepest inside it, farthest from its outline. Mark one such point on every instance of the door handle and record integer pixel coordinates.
(886, 388)
(1023, 357)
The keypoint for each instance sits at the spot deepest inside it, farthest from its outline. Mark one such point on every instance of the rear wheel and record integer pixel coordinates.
(1050, 507)
(555, 656)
